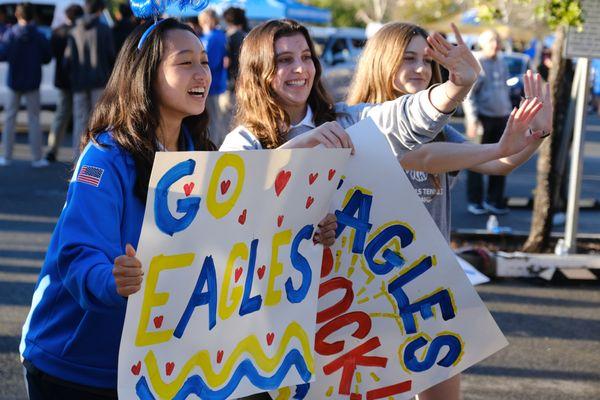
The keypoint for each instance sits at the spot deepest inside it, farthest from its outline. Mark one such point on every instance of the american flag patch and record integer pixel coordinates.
(90, 175)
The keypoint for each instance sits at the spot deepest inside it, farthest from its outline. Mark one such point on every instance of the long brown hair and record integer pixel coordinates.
(373, 81)
(129, 105)
(258, 108)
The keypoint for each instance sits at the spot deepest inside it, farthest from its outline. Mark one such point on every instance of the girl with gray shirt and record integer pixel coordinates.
(384, 75)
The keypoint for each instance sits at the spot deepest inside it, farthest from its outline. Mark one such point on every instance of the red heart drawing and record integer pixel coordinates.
(280, 221)
(281, 181)
(169, 368)
(309, 201)
(242, 217)
(225, 186)
(135, 369)
(261, 271)
(158, 321)
(219, 356)
(238, 273)
(331, 174)
(188, 187)
(312, 178)
(270, 337)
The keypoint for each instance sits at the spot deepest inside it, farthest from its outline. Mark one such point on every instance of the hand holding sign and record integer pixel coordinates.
(128, 273)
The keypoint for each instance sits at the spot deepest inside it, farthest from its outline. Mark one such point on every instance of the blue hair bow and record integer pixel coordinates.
(155, 8)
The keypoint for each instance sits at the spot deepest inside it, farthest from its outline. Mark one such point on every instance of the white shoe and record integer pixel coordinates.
(41, 163)
(4, 162)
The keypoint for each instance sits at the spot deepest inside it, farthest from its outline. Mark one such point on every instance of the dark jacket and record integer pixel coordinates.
(26, 49)
(90, 54)
(58, 43)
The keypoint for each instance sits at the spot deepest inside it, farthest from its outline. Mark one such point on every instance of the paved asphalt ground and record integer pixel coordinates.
(553, 329)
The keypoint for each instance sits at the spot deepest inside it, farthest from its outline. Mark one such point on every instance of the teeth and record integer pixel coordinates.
(197, 91)
(299, 82)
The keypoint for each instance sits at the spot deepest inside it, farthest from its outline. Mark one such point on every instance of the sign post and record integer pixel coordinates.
(585, 45)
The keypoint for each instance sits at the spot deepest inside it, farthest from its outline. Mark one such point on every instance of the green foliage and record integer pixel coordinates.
(553, 13)
(343, 12)
(561, 13)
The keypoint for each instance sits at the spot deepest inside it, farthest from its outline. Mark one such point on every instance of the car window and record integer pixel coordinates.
(515, 65)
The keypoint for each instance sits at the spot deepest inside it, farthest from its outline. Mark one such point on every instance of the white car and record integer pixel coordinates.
(50, 14)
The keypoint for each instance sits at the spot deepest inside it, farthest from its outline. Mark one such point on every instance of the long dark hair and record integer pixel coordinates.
(129, 105)
(258, 108)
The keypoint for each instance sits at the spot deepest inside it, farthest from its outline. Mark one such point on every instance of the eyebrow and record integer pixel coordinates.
(182, 52)
(290, 52)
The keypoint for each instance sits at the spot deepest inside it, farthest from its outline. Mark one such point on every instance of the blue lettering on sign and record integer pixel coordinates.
(358, 202)
(188, 206)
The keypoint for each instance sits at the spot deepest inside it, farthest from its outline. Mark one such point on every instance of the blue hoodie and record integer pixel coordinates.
(74, 326)
(26, 49)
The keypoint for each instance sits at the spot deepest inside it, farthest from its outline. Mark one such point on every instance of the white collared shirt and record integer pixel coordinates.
(307, 120)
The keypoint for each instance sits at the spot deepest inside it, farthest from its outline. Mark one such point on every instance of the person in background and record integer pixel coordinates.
(237, 29)
(64, 104)
(215, 42)
(124, 25)
(89, 58)
(26, 49)
(488, 105)
(4, 25)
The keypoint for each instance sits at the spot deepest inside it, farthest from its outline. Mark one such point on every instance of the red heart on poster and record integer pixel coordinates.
(309, 201)
(242, 217)
(331, 174)
(188, 187)
(312, 178)
(169, 368)
(270, 337)
(135, 369)
(225, 186)
(280, 221)
(238, 273)
(281, 181)
(158, 321)
(261, 271)
(219, 356)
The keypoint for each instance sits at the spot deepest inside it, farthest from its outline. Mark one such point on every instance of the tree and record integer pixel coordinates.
(557, 15)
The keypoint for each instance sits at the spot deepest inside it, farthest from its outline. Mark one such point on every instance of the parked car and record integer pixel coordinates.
(49, 14)
(517, 64)
(338, 47)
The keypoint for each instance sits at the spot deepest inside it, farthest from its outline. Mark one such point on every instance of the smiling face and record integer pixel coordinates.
(415, 69)
(183, 76)
(294, 73)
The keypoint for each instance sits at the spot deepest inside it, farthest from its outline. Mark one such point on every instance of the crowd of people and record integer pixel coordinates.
(85, 48)
(171, 89)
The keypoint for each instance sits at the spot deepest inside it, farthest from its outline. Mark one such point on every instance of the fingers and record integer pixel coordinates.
(433, 53)
(459, 38)
(438, 50)
(129, 250)
(527, 84)
(342, 136)
(326, 232)
(127, 271)
(329, 218)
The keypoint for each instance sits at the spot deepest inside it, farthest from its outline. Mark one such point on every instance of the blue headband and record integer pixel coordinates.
(148, 32)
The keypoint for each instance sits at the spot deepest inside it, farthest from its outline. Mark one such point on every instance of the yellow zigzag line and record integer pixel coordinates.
(249, 345)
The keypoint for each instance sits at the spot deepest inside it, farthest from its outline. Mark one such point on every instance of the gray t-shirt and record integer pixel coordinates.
(434, 189)
(489, 96)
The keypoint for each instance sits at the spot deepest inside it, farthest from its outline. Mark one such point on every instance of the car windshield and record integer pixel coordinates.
(516, 65)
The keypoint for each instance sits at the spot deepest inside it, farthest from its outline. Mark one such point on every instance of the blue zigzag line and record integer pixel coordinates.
(195, 384)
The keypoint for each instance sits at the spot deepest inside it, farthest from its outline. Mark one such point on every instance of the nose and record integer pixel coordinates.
(298, 66)
(420, 67)
(202, 73)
